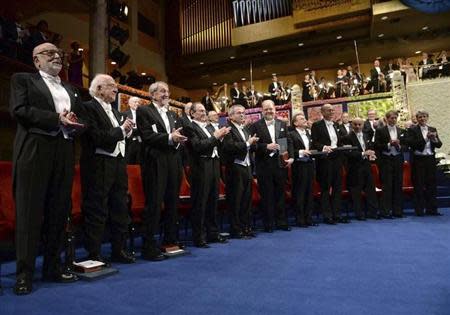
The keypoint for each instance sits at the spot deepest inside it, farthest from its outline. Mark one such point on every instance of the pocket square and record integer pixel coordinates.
(282, 129)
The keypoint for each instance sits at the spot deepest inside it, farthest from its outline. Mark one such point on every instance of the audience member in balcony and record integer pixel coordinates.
(325, 137)
(423, 140)
(359, 174)
(37, 36)
(237, 97)
(238, 145)
(253, 98)
(207, 101)
(302, 171)
(204, 142)
(389, 141)
(426, 61)
(46, 111)
(307, 89)
(382, 83)
(442, 59)
(341, 83)
(274, 89)
(374, 85)
(409, 70)
(161, 135)
(12, 35)
(133, 152)
(271, 166)
(104, 173)
(75, 59)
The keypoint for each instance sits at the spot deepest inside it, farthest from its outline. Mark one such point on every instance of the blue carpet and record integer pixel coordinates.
(375, 267)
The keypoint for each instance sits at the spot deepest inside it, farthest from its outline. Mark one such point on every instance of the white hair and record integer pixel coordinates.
(98, 81)
(154, 86)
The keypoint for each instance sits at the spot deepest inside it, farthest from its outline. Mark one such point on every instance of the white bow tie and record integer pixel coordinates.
(329, 123)
(270, 123)
(107, 107)
(54, 79)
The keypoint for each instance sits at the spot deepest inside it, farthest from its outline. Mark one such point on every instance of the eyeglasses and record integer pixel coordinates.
(52, 53)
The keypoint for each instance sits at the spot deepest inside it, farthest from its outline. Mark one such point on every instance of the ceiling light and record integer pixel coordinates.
(339, 37)
(143, 73)
(380, 35)
(243, 79)
(80, 49)
(265, 51)
(214, 83)
(424, 28)
(378, 58)
(232, 57)
(201, 62)
(418, 52)
(274, 74)
(113, 62)
(300, 44)
(384, 18)
(341, 63)
(306, 69)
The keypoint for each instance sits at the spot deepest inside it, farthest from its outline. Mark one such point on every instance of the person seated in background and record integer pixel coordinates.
(445, 64)
(371, 124)
(207, 101)
(359, 176)
(75, 59)
(344, 127)
(133, 150)
(424, 70)
(213, 119)
(423, 140)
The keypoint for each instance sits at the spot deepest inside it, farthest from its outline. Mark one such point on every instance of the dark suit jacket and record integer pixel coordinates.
(382, 138)
(234, 146)
(296, 143)
(156, 143)
(200, 145)
(100, 132)
(260, 129)
(342, 130)
(367, 128)
(129, 114)
(32, 106)
(417, 142)
(320, 136)
(271, 88)
(355, 158)
(429, 62)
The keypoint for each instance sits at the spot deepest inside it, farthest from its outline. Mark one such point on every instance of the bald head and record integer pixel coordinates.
(327, 111)
(268, 109)
(48, 58)
(133, 102)
(357, 124)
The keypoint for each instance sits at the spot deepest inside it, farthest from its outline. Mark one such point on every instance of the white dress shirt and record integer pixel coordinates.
(427, 149)
(393, 135)
(360, 137)
(305, 139)
(246, 161)
(60, 97)
(347, 127)
(332, 133)
(203, 125)
(120, 146)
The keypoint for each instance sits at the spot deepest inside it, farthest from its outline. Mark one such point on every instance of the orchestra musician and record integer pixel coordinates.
(307, 86)
(274, 89)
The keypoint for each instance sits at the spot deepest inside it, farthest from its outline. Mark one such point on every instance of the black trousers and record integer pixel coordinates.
(239, 196)
(204, 194)
(391, 176)
(163, 177)
(363, 181)
(424, 180)
(302, 190)
(272, 183)
(329, 176)
(43, 187)
(133, 152)
(105, 201)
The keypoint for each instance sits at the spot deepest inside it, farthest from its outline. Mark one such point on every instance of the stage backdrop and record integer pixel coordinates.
(434, 97)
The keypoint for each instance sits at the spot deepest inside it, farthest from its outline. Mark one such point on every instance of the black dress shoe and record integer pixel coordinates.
(268, 229)
(175, 243)
(387, 216)
(302, 225)
(60, 277)
(312, 224)
(23, 287)
(284, 227)
(153, 254)
(374, 217)
(419, 214)
(217, 239)
(433, 213)
(329, 221)
(360, 218)
(201, 244)
(398, 216)
(249, 233)
(123, 257)
(237, 235)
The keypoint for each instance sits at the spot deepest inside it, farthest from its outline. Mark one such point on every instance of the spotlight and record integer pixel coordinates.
(119, 34)
(119, 56)
(118, 10)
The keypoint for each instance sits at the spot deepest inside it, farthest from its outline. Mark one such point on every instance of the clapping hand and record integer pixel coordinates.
(177, 136)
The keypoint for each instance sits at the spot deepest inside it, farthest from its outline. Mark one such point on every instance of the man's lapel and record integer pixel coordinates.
(40, 84)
